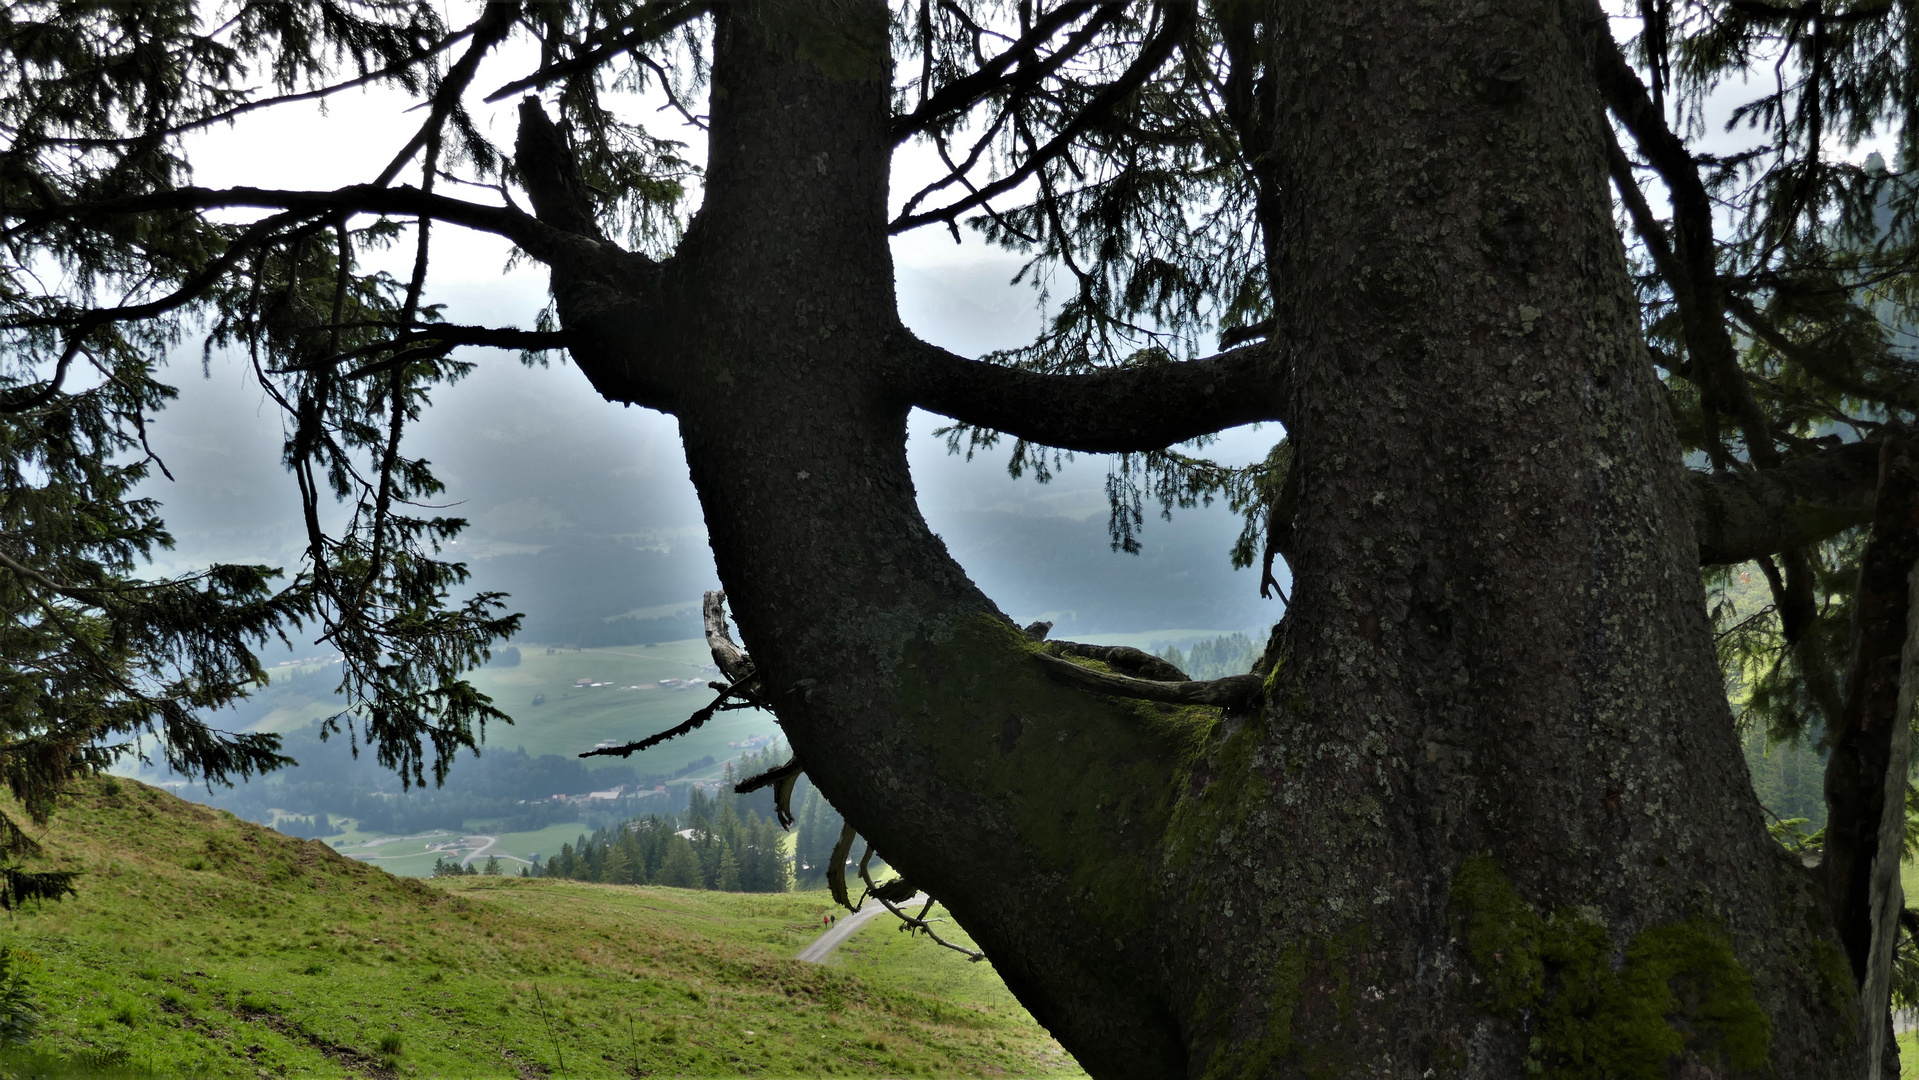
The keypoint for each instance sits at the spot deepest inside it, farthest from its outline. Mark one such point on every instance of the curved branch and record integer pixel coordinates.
(1691, 268)
(1743, 515)
(540, 240)
(1233, 691)
(1144, 407)
(495, 22)
(614, 318)
(1122, 658)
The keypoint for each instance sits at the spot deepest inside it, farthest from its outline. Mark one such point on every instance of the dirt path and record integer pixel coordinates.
(846, 927)
(479, 851)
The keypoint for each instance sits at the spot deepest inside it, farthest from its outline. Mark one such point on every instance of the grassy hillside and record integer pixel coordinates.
(204, 945)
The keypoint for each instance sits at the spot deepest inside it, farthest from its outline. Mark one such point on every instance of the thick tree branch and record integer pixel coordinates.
(1691, 265)
(1145, 407)
(1866, 773)
(1122, 658)
(1750, 513)
(550, 171)
(1233, 691)
(613, 319)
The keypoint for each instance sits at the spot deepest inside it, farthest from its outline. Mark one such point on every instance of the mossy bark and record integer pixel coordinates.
(1497, 655)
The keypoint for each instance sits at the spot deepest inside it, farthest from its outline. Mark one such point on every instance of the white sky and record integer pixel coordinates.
(233, 501)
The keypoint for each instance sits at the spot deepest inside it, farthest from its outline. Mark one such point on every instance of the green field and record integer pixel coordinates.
(574, 719)
(201, 945)
(414, 856)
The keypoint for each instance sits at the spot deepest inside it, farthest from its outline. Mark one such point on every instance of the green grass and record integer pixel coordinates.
(575, 719)
(414, 856)
(881, 952)
(204, 945)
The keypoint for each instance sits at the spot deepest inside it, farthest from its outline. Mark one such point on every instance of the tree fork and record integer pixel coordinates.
(1493, 719)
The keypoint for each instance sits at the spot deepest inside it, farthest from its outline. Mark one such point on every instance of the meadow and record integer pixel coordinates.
(203, 945)
(570, 718)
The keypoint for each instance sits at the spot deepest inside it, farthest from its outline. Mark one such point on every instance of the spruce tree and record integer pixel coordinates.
(681, 869)
(615, 869)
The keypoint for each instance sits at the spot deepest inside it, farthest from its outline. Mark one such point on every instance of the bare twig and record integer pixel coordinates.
(722, 703)
(783, 778)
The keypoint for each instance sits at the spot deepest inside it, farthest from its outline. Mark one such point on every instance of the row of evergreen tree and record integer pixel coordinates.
(724, 840)
(445, 867)
(1214, 658)
(731, 854)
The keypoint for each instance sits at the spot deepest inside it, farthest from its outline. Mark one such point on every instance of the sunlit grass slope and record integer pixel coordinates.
(205, 945)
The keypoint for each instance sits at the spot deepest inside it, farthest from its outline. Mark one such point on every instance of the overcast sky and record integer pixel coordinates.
(542, 466)
(536, 459)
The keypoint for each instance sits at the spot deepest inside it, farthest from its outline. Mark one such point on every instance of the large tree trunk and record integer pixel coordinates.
(1491, 816)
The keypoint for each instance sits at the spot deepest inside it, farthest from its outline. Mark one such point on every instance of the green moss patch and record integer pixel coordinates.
(1678, 993)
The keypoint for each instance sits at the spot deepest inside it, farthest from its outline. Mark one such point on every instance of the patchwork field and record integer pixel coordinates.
(571, 718)
(201, 945)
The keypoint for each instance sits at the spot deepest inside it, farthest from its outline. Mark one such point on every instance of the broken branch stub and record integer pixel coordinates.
(783, 778)
(836, 868)
(729, 657)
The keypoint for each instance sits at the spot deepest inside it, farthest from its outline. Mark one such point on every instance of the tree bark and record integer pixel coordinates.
(1489, 815)
(1871, 743)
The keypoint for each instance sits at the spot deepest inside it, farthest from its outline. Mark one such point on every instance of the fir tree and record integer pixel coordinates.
(681, 869)
(614, 867)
